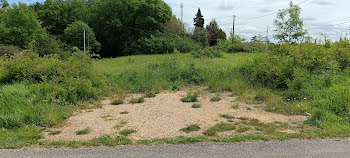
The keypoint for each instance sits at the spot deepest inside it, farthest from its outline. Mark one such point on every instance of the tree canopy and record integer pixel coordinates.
(289, 25)
(215, 33)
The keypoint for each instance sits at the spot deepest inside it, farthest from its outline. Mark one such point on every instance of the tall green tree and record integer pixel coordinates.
(118, 24)
(289, 25)
(199, 20)
(19, 26)
(200, 35)
(215, 33)
(73, 35)
(55, 15)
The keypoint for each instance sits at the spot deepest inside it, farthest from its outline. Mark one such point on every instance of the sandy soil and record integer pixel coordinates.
(162, 116)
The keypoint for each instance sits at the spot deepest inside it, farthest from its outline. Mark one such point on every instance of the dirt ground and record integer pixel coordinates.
(162, 117)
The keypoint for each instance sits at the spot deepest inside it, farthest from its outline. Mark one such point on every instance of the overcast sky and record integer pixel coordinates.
(320, 16)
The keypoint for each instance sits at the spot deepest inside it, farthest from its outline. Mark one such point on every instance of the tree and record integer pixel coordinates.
(257, 38)
(19, 26)
(215, 33)
(118, 24)
(73, 35)
(4, 4)
(200, 35)
(174, 26)
(289, 26)
(199, 20)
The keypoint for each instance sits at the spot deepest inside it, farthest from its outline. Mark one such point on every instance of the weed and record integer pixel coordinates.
(54, 132)
(226, 116)
(117, 102)
(216, 98)
(196, 106)
(221, 127)
(242, 129)
(150, 95)
(191, 128)
(137, 100)
(235, 106)
(191, 97)
(83, 132)
(127, 132)
(120, 125)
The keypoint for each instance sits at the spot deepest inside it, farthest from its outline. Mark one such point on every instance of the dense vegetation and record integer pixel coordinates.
(44, 75)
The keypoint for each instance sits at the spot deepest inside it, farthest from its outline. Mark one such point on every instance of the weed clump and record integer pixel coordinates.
(127, 132)
(216, 98)
(221, 127)
(117, 102)
(83, 132)
(137, 100)
(196, 106)
(191, 97)
(191, 128)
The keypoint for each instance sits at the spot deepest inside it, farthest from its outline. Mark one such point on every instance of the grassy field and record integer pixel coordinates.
(152, 73)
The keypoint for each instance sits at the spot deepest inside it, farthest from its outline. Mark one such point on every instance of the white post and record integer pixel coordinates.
(84, 40)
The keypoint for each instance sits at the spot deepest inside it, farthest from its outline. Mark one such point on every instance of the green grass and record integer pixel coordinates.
(120, 125)
(227, 116)
(117, 102)
(83, 131)
(216, 98)
(235, 106)
(54, 132)
(150, 95)
(126, 132)
(221, 127)
(196, 106)
(191, 97)
(190, 128)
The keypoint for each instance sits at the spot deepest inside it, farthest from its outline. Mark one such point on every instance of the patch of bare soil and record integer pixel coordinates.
(162, 116)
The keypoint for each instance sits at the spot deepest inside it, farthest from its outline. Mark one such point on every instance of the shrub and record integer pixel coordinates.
(196, 106)
(209, 52)
(43, 89)
(229, 47)
(9, 50)
(83, 132)
(163, 44)
(117, 102)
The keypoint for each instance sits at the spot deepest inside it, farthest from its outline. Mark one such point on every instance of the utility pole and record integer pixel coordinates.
(267, 35)
(88, 42)
(84, 40)
(182, 10)
(233, 29)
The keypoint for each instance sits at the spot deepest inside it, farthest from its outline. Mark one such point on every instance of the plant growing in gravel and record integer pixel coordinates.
(236, 106)
(120, 125)
(191, 128)
(117, 102)
(83, 132)
(242, 129)
(150, 95)
(137, 100)
(54, 132)
(216, 98)
(191, 97)
(221, 127)
(127, 132)
(226, 116)
(196, 106)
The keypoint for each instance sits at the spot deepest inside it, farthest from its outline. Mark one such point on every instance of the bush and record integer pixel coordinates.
(209, 52)
(9, 50)
(229, 47)
(163, 43)
(41, 90)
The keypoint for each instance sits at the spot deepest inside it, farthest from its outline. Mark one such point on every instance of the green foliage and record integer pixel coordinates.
(83, 131)
(120, 23)
(216, 98)
(201, 36)
(289, 25)
(127, 132)
(117, 102)
(215, 33)
(137, 100)
(73, 35)
(221, 127)
(209, 52)
(196, 106)
(19, 26)
(9, 50)
(191, 97)
(190, 128)
(163, 43)
(19, 138)
(41, 90)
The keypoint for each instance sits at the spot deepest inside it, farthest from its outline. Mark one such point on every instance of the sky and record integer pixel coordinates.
(331, 17)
